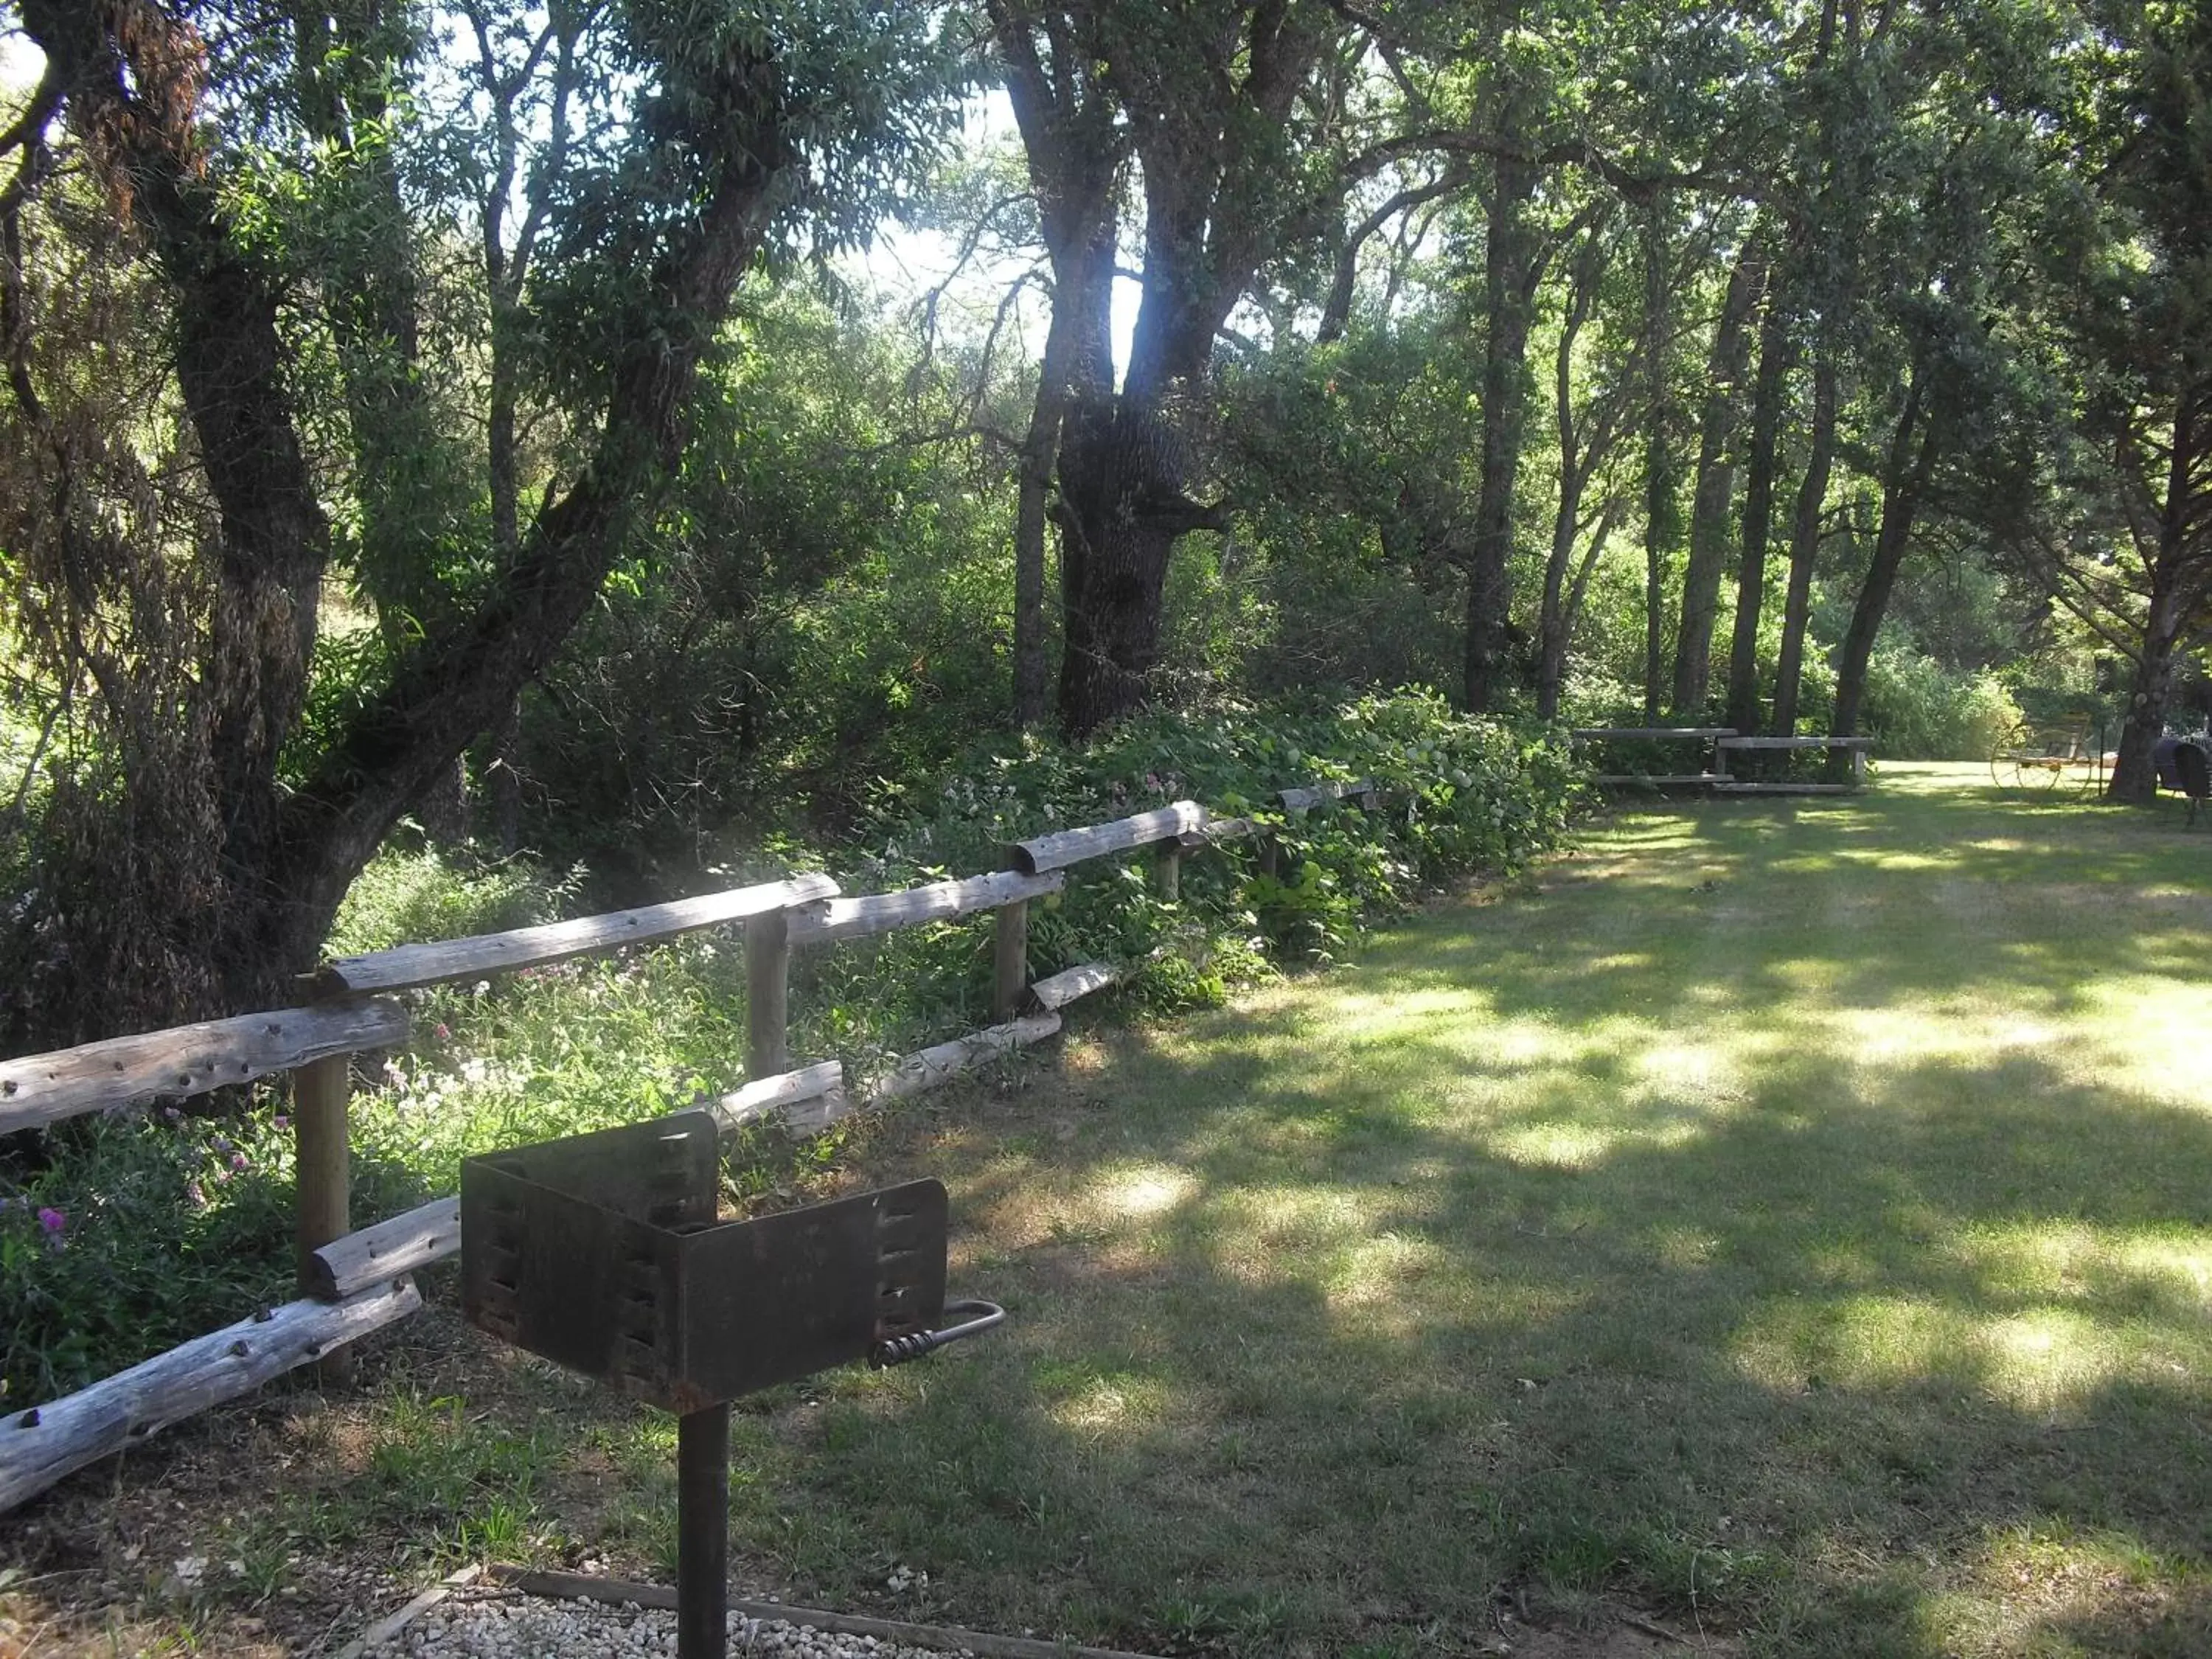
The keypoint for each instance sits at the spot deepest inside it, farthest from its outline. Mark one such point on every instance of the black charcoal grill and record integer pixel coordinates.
(602, 1253)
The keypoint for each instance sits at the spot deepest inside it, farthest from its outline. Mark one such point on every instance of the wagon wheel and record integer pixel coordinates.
(2018, 762)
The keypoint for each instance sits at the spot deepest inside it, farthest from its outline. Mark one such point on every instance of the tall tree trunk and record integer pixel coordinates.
(1663, 506)
(1562, 600)
(1033, 488)
(1805, 541)
(1078, 361)
(1508, 254)
(2180, 570)
(1584, 445)
(1767, 401)
(1716, 486)
(1905, 487)
(2134, 776)
(1123, 474)
(286, 856)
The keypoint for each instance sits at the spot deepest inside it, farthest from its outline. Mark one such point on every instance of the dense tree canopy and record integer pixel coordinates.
(488, 413)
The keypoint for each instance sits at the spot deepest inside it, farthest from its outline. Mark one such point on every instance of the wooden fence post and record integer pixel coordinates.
(768, 994)
(322, 1175)
(1009, 959)
(1167, 871)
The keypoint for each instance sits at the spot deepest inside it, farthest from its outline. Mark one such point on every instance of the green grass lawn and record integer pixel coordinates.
(1793, 1218)
(1790, 1220)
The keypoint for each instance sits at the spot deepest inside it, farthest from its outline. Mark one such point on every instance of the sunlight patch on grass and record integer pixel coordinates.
(1698, 1068)
(1374, 1272)
(1387, 1017)
(1556, 1145)
(2043, 1359)
(2053, 1592)
(2160, 1022)
(1107, 1404)
(2049, 1358)
(2167, 1268)
(1146, 1190)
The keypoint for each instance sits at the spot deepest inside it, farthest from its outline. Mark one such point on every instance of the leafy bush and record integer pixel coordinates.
(140, 1233)
(171, 1225)
(1917, 709)
(404, 897)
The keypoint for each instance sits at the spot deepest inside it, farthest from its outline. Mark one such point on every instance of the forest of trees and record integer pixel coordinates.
(486, 415)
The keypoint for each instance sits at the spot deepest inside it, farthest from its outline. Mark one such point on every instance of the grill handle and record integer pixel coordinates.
(974, 1318)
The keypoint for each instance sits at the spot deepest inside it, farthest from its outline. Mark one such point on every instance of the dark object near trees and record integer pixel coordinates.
(2184, 768)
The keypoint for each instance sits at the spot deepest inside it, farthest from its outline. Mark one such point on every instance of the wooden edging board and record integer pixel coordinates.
(409, 965)
(831, 920)
(1797, 743)
(422, 1237)
(1785, 789)
(1063, 987)
(188, 1059)
(1063, 847)
(1652, 733)
(928, 1067)
(583, 1586)
(42, 1444)
(1317, 795)
(386, 1628)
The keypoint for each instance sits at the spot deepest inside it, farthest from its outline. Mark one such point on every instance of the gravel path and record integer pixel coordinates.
(508, 1626)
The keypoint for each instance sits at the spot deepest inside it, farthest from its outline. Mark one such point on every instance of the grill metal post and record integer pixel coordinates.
(703, 1533)
(604, 1253)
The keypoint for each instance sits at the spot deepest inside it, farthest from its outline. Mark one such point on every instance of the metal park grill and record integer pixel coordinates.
(602, 1253)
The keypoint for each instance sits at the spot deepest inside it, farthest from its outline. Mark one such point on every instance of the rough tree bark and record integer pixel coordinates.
(1805, 541)
(1715, 491)
(1767, 396)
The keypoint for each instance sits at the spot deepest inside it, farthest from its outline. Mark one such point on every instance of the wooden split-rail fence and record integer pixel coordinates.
(1724, 740)
(352, 1282)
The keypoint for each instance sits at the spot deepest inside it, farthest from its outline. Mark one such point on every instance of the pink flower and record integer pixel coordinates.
(443, 1033)
(237, 1160)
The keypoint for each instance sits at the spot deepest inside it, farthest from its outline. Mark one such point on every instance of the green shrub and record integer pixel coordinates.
(1462, 795)
(1918, 709)
(139, 1233)
(405, 897)
(173, 1225)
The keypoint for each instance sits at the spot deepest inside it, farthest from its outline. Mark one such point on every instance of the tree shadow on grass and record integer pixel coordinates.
(1584, 1242)
(1415, 1370)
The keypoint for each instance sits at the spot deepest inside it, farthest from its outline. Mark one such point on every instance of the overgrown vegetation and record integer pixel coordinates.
(175, 1225)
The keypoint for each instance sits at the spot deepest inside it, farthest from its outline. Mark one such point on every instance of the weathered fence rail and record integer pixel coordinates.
(188, 1059)
(354, 1281)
